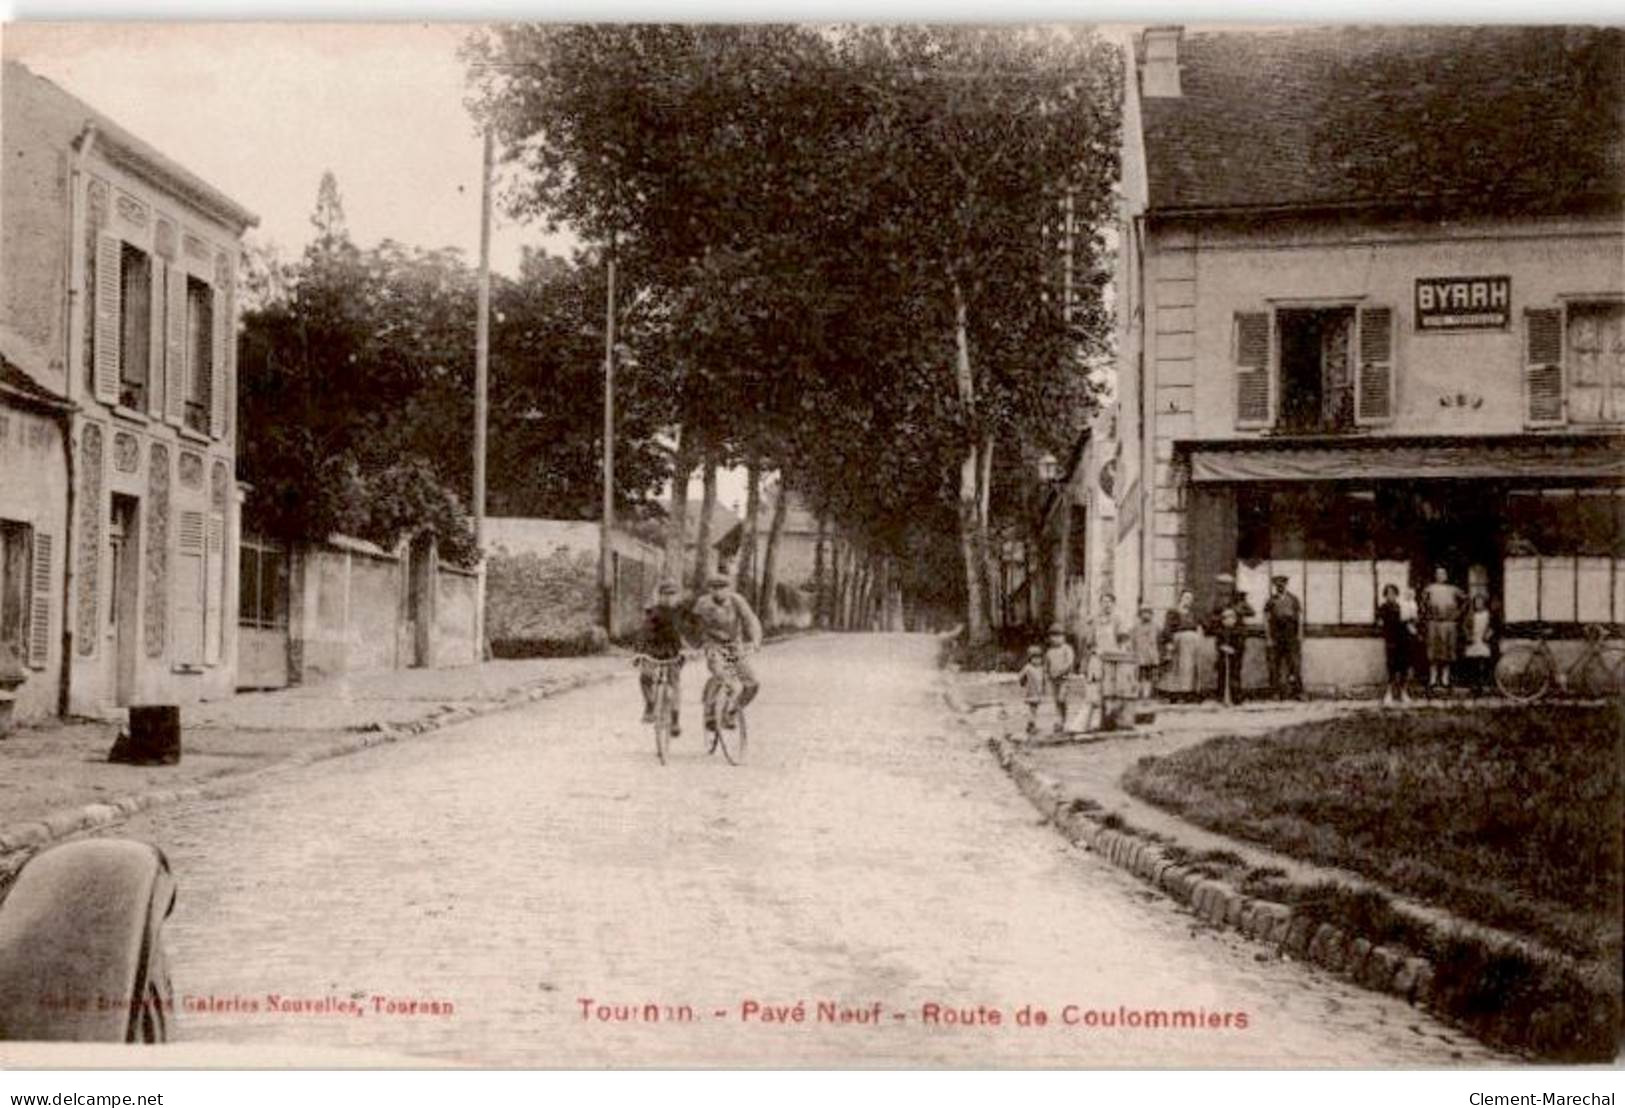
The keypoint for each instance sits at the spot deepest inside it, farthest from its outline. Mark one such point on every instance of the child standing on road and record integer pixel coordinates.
(1059, 662)
(1032, 685)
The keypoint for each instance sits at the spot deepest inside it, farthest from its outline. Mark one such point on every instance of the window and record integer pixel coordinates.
(135, 325)
(1574, 364)
(199, 353)
(16, 554)
(1322, 540)
(262, 597)
(1596, 362)
(25, 593)
(1565, 556)
(1320, 370)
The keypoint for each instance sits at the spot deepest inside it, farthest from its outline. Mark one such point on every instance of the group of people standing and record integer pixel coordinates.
(1440, 631)
(1184, 633)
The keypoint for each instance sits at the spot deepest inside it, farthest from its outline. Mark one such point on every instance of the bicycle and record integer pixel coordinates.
(1526, 673)
(664, 672)
(724, 717)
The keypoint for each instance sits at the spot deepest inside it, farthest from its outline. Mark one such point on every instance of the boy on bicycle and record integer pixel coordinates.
(663, 640)
(726, 625)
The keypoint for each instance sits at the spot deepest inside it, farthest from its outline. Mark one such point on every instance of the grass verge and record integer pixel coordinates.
(1508, 818)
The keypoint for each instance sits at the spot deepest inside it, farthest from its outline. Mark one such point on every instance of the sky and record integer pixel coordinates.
(261, 110)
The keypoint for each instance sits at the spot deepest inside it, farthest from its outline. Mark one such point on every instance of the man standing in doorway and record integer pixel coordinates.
(1283, 629)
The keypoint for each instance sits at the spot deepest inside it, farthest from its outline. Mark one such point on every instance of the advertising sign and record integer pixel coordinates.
(1463, 303)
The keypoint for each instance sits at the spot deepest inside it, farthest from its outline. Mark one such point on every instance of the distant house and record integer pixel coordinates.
(795, 558)
(118, 302)
(722, 522)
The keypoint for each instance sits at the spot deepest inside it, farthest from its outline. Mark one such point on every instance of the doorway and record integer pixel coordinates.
(1458, 526)
(124, 541)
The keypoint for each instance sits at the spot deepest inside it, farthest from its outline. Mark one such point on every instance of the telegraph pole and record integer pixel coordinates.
(482, 359)
(606, 557)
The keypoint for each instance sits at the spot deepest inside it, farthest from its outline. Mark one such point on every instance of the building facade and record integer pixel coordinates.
(1365, 334)
(118, 273)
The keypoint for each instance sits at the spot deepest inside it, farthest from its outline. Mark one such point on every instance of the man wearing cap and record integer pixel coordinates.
(727, 626)
(1283, 636)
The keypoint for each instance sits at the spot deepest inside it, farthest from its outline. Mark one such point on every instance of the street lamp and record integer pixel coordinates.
(1048, 468)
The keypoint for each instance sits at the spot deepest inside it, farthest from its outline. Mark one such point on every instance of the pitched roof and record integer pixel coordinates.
(1466, 117)
(722, 521)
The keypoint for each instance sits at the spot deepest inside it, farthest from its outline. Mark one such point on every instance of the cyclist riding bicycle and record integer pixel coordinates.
(663, 640)
(726, 626)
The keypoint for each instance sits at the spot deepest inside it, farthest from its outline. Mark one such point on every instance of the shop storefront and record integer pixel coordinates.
(1535, 525)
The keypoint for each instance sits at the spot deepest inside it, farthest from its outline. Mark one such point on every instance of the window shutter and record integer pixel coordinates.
(1374, 385)
(109, 276)
(1543, 366)
(217, 365)
(1252, 360)
(214, 596)
(155, 331)
(175, 357)
(39, 604)
(189, 586)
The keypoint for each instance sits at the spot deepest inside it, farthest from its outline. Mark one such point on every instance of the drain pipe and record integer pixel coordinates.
(70, 297)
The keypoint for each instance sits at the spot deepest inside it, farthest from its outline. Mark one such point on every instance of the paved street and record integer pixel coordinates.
(869, 854)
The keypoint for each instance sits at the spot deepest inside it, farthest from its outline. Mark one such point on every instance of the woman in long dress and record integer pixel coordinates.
(1182, 631)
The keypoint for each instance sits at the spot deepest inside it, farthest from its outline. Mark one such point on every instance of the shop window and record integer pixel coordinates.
(1565, 556)
(1321, 540)
(135, 326)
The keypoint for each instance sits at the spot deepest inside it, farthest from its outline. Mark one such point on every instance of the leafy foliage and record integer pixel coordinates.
(804, 209)
(357, 384)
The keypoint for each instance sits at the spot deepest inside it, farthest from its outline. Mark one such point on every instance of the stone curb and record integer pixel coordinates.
(1354, 957)
(18, 841)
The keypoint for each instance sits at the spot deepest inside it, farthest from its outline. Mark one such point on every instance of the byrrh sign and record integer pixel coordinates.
(1457, 303)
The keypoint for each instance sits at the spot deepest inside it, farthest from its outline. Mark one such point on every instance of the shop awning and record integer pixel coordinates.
(1508, 458)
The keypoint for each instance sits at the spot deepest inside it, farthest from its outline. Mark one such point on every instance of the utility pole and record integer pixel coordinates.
(606, 556)
(482, 359)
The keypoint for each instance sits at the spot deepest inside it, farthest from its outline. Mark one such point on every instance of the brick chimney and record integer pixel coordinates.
(1159, 61)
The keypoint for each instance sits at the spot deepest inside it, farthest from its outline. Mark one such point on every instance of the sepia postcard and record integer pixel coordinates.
(838, 546)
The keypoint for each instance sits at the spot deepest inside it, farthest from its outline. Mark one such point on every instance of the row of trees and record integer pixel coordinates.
(848, 241)
(841, 257)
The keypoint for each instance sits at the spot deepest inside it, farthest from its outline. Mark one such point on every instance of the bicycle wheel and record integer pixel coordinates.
(1601, 675)
(1524, 673)
(662, 720)
(729, 735)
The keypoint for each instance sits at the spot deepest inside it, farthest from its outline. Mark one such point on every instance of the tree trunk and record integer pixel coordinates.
(677, 517)
(992, 555)
(820, 601)
(704, 556)
(770, 557)
(971, 539)
(747, 578)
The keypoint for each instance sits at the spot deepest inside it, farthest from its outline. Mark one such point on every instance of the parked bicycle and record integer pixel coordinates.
(1528, 671)
(663, 677)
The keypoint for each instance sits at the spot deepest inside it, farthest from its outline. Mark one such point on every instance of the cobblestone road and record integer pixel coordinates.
(869, 854)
